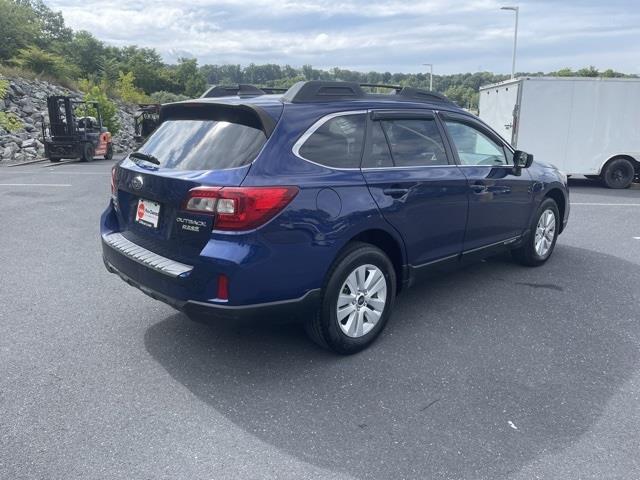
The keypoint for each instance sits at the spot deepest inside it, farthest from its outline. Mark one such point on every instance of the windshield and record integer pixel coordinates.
(204, 144)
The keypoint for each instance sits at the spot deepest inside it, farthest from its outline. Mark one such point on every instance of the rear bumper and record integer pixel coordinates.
(128, 262)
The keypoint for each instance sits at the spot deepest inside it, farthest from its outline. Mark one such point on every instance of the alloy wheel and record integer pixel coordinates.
(545, 233)
(361, 300)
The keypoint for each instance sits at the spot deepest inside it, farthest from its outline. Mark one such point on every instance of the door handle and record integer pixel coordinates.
(478, 188)
(395, 192)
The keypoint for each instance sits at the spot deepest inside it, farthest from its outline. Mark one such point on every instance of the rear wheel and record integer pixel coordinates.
(543, 233)
(618, 173)
(357, 302)
(109, 154)
(87, 152)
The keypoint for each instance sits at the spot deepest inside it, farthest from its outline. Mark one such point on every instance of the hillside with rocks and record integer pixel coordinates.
(27, 100)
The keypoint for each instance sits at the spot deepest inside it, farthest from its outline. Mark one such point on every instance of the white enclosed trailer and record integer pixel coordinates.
(584, 126)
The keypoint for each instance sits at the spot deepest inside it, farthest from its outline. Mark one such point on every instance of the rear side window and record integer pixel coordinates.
(337, 143)
(415, 142)
(204, 144)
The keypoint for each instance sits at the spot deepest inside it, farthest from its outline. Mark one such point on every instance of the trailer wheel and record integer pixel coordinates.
(109, 154)
(87, 152)
(618, 173)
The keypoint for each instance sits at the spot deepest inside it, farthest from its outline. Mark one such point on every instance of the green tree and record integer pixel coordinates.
(51, 24)
(85, 51)
(41, 62)
(127, 91)
(190, 78)
(18, 26)
(107, 108)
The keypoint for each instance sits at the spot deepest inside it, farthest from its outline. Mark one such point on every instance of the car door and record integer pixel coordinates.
(500, 198)
(413, 178)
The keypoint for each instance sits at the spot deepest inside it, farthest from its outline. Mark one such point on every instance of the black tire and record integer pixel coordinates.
(87, 152)
(109, 154)
(54, 159)
(526, 254)
(323, 328)
(618, 173)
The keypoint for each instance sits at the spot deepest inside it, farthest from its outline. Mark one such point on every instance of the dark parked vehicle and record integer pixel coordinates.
(145, 120)
(322, 203)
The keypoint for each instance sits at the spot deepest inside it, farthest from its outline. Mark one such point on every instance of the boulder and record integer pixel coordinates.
(30, 142)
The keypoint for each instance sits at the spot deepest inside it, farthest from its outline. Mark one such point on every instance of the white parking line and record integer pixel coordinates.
(607, 204)
(49, 172)
(35, 185)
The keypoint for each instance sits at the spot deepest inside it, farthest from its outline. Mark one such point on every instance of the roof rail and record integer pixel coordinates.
(322, 91)
(240, 90)
(397, 88)
(424, 95)
(328, 91)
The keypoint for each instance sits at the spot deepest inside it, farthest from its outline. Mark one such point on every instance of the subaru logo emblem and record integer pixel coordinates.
(137, 182)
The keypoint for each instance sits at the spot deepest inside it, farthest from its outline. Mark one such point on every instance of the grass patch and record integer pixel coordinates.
(11, 71)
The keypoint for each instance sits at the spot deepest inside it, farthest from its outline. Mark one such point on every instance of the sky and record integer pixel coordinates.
(393, 35)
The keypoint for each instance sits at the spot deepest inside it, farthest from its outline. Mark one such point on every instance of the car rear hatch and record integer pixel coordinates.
(197, 144)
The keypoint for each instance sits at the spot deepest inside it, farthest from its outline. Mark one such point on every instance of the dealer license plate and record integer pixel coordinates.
(148, 213)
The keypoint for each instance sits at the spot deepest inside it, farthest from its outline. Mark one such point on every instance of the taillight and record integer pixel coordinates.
(239, 208)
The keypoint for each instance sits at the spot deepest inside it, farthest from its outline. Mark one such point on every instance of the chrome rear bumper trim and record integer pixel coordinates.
(145, 257)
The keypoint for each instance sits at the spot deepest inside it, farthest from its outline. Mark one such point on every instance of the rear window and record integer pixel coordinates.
(336, 143)
(204, 144)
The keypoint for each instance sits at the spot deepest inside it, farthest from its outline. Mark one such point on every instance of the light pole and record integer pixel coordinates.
(515, 39)
(430, 65)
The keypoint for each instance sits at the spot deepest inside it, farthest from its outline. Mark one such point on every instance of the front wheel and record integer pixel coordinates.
(541, 239)
(357, 302)
(88, 152)
(109, 154)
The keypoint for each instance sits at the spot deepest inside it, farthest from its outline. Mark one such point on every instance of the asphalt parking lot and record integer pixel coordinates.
(495, 371)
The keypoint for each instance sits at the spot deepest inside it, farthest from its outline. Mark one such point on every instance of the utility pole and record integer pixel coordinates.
(430, 65)
(515, 39)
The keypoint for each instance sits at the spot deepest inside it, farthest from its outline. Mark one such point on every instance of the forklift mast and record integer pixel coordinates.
(61, 118)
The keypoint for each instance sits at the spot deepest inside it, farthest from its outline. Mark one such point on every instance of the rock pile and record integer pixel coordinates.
(27, 100)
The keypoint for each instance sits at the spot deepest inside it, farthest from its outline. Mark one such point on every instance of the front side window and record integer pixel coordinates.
(415, 142)
(204, 144)
(337, 143)
(473, 146)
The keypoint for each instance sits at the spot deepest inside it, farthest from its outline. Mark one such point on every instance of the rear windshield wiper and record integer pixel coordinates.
(146, 157)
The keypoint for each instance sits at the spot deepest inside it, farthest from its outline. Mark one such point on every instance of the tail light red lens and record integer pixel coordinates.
(239, 208)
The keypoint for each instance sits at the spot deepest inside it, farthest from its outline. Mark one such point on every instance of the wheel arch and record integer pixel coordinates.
(389, 244)
(558, 196)
(632, 159)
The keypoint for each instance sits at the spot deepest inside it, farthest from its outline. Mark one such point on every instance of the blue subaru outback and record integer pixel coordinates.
(321, 203)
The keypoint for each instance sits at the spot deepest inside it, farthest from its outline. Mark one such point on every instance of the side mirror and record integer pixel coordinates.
(522, 159)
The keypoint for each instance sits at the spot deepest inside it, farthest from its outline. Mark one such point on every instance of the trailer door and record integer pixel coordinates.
(499, 109)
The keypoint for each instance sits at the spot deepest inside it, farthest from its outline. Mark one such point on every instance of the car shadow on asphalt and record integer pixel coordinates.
(478, 373)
